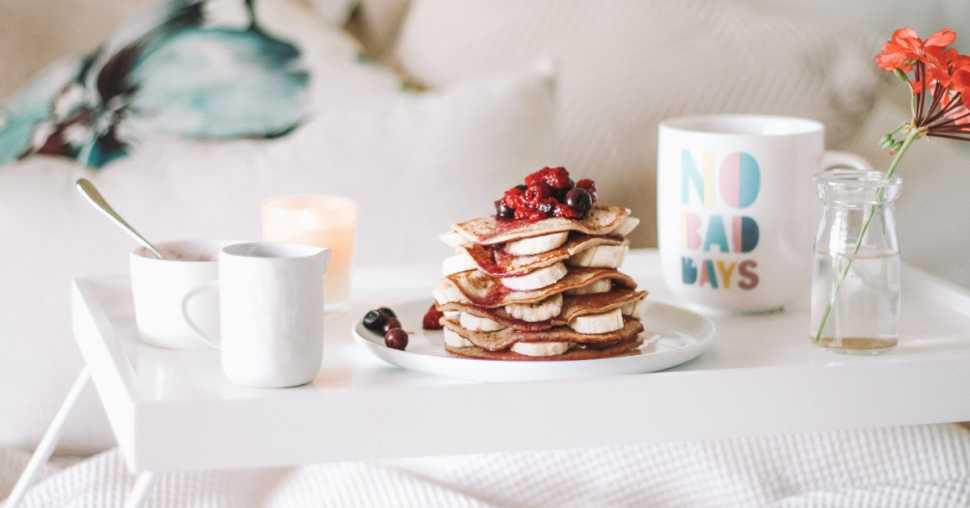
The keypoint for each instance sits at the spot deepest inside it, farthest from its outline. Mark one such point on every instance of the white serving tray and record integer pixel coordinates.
(173, 410)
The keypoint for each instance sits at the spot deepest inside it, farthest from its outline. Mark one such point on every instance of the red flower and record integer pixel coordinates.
(961, 85)
(905, 48)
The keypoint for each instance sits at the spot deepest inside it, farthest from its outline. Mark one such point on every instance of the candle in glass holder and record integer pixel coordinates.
(323, 221)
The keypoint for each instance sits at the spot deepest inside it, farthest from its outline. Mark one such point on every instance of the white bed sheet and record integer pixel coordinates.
(920, 466)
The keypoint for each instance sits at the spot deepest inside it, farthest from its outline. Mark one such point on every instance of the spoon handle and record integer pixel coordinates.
(91, 192)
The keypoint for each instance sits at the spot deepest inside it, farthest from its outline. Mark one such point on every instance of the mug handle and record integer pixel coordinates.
(836, 159)
(208, 286)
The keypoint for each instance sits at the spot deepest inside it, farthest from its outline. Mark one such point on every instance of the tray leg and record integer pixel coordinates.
(47, 444)
(143, 489)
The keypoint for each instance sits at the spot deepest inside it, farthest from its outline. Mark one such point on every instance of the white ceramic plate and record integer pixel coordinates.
(678, 335)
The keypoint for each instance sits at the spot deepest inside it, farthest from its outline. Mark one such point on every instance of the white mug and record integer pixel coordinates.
(271, 312)
(158, 287)
(736, 207)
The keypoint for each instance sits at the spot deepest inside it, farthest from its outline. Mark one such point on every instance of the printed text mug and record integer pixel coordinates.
(736, 207)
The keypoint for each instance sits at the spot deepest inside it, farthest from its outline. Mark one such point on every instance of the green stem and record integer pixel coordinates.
(913, 136)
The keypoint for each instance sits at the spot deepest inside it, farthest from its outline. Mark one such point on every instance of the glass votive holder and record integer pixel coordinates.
(322, 221)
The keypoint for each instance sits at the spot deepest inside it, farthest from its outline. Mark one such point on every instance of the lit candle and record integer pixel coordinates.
(323, 221)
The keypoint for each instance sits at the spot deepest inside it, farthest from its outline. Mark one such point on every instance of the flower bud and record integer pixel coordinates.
(886, 141)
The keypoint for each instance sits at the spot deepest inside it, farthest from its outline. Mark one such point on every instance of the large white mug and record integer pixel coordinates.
(271, 312)
(736, 208)
(159, 286)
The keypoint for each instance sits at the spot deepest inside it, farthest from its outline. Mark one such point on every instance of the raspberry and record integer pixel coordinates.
(556, 178)
(590, 187)
(536, 193)
(514, 198)
(548, 206)
(432, 319)
(529, 213)
(523, 212)
(567, 212)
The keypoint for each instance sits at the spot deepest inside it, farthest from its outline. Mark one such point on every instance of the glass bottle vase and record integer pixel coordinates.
(855, 284)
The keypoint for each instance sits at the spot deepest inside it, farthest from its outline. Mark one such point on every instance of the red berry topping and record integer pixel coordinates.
(590, 187)
(432, 320)
(566, 212)
(396, 338)
(513, 198)
(537, 192)
(547, 206)
(547, 194)
(557, 178)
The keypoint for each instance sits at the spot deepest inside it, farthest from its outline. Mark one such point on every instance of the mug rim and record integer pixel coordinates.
(694, 124)
(142, 252)
(273, 250)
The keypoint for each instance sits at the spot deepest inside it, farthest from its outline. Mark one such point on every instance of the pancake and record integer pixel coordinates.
(503, 339)
(578, 352)
(480, 289)
(601, 220)
(572, 306)
(493, 260)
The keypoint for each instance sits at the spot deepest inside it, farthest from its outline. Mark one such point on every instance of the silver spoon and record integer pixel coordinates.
(91, 192)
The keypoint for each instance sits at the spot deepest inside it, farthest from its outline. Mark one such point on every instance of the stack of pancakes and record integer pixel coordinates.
(540, 290)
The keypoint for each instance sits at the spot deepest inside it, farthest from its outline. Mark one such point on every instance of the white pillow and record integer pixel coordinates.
(627, 64)
(931, 211)
(415, 163)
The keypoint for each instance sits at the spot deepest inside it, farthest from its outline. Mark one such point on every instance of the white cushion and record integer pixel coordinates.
(627, 64)
(415, 163)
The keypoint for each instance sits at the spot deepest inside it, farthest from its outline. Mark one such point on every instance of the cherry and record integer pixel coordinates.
(391, 324)
(503, 211)
(580, 200)
(375, 320)
(590, 187)
(560, 194)
(396, 338)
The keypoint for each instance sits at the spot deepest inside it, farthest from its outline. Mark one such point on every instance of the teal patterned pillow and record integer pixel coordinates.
(198, 69)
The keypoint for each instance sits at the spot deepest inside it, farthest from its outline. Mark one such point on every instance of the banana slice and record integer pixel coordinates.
(600, 286)
(458, 263)
(455, 340)
(598, 323)
(634, 309)
(536, 245)
(446, 293)
(625, 226)
(453, 239)
(541, 348)
(479, 324)
(536, 279)
(601, 256)
(539, 311)
(626, 310)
